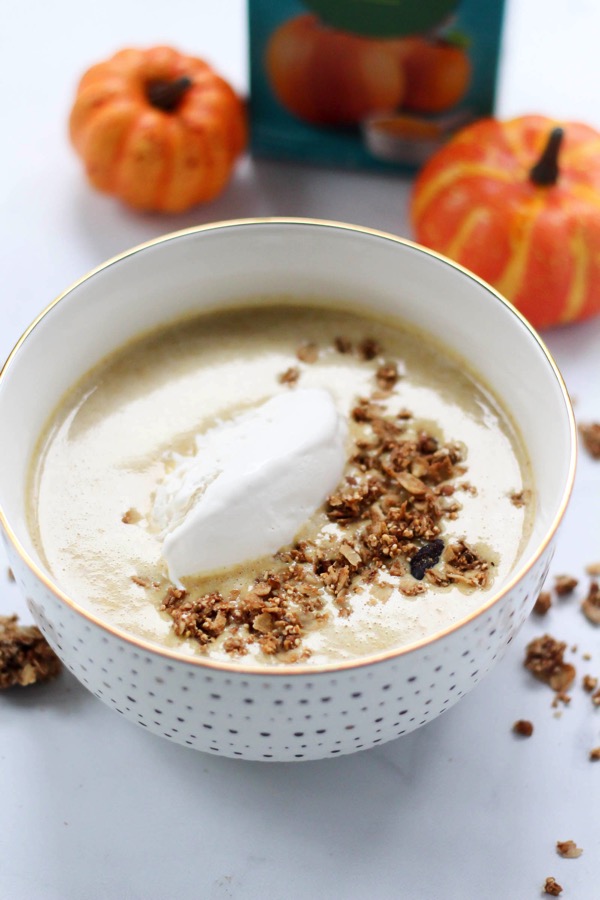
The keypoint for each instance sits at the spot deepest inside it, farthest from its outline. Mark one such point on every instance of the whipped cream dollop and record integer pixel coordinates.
(252, 483)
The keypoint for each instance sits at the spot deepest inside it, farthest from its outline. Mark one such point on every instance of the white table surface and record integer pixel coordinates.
(90, 805)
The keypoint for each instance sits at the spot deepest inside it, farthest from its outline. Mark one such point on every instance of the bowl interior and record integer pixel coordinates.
(231, 263)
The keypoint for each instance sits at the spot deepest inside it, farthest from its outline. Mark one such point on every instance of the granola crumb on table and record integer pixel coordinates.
(561, 697)
(523, 727)
(590, 606)
(589, 683)
(552, 887)
(544, 658)
(568, 849)
(590, 436)
(25, 656)
(543, 603)
(564, 584)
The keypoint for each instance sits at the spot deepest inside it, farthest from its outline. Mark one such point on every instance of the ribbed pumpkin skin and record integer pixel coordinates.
(152, 159)
(330, 77)
(539, 246)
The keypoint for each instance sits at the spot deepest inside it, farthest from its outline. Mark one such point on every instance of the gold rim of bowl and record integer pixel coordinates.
(280, 670)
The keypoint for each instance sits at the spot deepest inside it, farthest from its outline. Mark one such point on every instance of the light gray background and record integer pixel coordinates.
(90, 806)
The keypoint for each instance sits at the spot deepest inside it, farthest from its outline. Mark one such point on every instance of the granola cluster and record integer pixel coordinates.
(274, 612)
(545, 659)
(590, 436)
(568, 849)
(590, 605)
(552, 887)
(399, 488)
(25, 656)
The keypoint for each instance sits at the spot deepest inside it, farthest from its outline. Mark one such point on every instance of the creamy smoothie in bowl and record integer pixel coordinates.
(284, 483)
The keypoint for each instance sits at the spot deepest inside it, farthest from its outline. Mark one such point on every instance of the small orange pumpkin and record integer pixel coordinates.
(331, 77)
(158, 129)
(518, 203)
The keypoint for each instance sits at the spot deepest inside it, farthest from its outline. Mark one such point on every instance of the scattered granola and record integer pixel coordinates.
(596, 698)
(565, 584)
(290, 376)
(25, 656)
(544, 659)
(590, 436)
(589, 683)
(543, 603)
(595, 754)
(591, 604)
(10, 575)
(568, 849)
(523, 727)
(561, 697)
(552, 887)
(593, 569)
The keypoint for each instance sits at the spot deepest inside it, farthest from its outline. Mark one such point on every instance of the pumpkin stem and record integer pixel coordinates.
(545, 172)
(166, 95)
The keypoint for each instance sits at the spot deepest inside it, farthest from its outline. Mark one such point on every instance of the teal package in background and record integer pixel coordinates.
(378, 84)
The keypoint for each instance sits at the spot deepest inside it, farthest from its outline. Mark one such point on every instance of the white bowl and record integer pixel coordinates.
(301, 711)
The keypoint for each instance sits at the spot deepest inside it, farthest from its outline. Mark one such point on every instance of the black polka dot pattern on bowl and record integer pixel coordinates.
(278, 717)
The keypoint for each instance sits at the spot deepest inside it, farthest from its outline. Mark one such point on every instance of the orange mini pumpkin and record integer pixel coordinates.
(331, 77)
(158, 129)
(518, 203)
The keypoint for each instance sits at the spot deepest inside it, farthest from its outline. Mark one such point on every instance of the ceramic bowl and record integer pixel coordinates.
(290, 712)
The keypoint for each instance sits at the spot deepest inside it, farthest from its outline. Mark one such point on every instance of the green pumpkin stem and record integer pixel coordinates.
(545, 172)
(166, 95)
